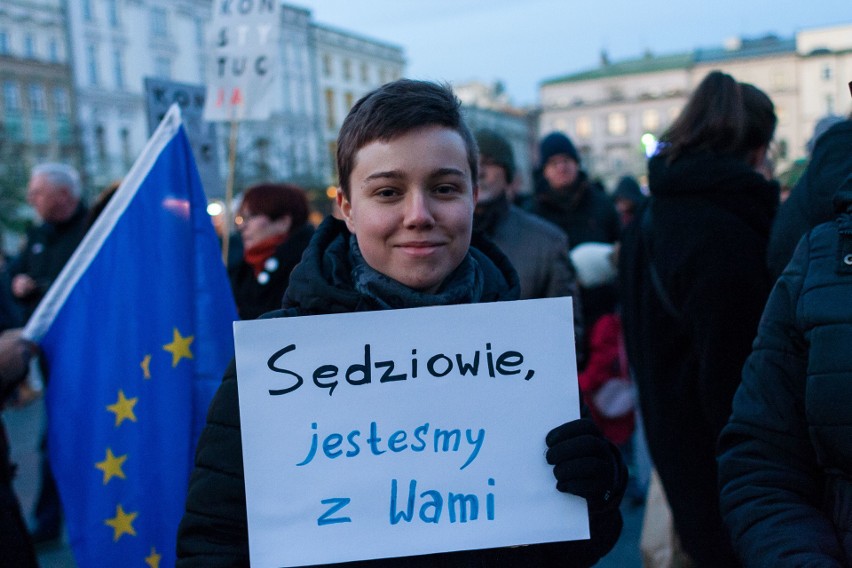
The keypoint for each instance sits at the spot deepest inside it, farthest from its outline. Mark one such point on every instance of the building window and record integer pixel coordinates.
(29, 46)
(163, 67)
(331, 120)
(616, 123)
(332, 157)
(4, 42)
(92, 63)
(347, 70)
(650, 120)
(829, 105)
(100, 142)
(53, 50)
(88, 15)
(126, 157)
(118, 69)
(349, 100)
(112, 12)
(11, 96)
(326, 65)
(199, 32)
(826, 72)
(158, 22)
(38, 104)
(365, 73)
(61, 104)
(583, 126)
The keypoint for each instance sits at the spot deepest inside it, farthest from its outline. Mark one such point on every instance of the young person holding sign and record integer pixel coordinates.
(408, 167)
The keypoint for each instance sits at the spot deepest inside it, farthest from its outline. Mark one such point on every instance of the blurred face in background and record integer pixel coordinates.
(51, 203)
(256, 228)
(560, 171)
(492, 180)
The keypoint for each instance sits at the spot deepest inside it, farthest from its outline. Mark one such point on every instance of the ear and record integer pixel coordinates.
(346, 210)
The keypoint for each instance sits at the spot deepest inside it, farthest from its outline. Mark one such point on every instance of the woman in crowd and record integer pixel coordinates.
(408, 171)
(273, 224)
(694, 283)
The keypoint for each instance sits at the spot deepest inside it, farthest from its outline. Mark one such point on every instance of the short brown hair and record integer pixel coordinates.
(394, 109)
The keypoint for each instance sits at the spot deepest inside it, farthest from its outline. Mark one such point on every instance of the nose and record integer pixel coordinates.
(418, 210)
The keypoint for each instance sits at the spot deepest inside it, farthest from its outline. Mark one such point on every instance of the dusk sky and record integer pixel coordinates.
(525, 42)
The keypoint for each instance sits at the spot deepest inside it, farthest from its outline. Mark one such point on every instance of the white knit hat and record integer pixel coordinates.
(594, 264)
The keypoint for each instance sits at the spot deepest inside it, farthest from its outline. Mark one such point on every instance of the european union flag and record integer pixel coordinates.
(136, 332)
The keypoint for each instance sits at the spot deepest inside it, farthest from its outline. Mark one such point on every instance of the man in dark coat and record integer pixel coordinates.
(537, 249)
(54, 191)
(785, 457)
(568, 199)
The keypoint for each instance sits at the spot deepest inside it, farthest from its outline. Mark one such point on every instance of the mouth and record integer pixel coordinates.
(420, 248)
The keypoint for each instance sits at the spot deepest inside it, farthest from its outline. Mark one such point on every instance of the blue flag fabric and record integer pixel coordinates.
(136, 333)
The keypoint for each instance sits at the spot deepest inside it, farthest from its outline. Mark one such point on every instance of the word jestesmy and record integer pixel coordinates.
(439, 365)
(430, 506)
(442, 441)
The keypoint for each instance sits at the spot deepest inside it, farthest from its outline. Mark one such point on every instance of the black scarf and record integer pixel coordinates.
(463, 286)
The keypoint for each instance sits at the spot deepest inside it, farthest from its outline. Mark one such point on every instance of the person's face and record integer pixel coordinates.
(47, 200)
(492, 180)
(411, 205)
(560, 171)
(256, 228)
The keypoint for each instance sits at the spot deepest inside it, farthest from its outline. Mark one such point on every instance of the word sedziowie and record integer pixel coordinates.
(439, 365)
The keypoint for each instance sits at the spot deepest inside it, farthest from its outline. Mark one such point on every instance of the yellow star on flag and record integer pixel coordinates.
(146, 367)
(123, 408)
(121, 523)
(111, 466)
(153, 560)
(179, 347)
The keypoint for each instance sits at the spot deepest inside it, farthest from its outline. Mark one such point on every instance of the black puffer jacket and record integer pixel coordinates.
(785, 458)
(706, 238)
(810, 202)
(213, 532)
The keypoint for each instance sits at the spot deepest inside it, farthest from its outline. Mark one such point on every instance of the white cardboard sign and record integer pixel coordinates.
(405, 432)
(243, 59)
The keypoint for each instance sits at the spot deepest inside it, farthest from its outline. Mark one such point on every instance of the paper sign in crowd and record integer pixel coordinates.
(405, 432)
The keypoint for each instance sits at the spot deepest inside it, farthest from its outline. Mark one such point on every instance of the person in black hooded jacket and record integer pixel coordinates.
(408, 169)
(810, 201)
(694, 283)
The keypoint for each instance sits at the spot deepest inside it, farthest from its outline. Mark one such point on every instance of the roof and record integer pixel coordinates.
(645, 64)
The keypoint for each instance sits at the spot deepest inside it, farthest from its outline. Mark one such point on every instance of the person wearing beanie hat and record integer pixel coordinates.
(569, 200)
(627, 198)
(536, 248)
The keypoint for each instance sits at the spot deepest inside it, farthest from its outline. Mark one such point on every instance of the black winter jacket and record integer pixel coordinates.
(810, 202)
(47, 249)
(785, 458)
(706, 239)
(213, 532)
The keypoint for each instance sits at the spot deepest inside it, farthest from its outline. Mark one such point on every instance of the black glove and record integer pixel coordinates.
(586, 464)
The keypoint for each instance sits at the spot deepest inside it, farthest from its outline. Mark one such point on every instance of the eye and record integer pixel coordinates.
(387, 192)
(446, 189)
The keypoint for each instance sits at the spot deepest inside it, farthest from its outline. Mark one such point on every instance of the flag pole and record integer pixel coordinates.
(229, 189)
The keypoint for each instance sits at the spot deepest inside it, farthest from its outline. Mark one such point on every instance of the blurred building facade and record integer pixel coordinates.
(37, 100)
(106, 49)
(615, 111)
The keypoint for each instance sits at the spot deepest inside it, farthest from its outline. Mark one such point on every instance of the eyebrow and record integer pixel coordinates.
(396, 174)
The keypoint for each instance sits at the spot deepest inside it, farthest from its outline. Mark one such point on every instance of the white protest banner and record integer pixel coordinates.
(405, 432)
(243, 59)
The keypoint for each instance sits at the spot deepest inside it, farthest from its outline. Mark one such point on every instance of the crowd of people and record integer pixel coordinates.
(703, 341)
